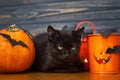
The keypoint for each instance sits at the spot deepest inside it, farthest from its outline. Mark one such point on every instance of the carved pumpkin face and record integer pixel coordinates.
(104, 53)
(17, 51)
(102, 58)
(105, 57)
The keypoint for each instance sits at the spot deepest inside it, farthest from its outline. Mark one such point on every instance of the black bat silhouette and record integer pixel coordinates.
(12, 41)
(114, 50)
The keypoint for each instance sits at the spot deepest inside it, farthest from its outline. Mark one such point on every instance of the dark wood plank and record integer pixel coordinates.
(35, 29)
(61, 14)
(7, 3)
(36, 15)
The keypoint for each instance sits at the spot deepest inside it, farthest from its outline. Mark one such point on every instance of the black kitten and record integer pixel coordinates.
(58, 51)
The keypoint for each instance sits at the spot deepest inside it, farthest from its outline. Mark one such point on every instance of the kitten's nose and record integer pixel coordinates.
(67, 52)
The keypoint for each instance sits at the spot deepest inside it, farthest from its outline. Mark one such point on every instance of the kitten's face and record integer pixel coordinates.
(64, 44)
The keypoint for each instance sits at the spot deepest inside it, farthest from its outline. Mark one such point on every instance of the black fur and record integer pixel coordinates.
(58, 51)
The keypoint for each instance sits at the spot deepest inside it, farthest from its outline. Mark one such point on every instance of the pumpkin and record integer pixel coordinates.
(17, 50)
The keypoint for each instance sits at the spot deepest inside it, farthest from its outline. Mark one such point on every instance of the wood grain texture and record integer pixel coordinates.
(36, 15)
(59, 76)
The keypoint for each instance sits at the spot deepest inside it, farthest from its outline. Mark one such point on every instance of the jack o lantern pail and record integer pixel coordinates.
(104, 53)
(83, 53)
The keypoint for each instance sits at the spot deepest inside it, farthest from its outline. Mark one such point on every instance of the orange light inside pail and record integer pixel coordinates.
(83, 53)
(86, 60)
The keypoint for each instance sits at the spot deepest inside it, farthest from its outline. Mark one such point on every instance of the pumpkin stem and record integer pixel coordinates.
(13, 28)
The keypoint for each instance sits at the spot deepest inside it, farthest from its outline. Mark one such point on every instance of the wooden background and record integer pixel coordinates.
(36, 15)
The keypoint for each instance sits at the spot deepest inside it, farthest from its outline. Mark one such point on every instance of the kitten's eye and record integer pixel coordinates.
(60, 47)
(73, 48)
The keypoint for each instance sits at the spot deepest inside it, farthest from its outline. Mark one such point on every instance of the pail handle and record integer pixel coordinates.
(86, 22)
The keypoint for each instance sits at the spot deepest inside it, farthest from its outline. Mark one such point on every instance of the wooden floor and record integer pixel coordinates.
(59, 76)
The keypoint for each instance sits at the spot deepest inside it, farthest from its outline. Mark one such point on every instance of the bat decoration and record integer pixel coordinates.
(12, 41)
(114, 50)
(102, 60)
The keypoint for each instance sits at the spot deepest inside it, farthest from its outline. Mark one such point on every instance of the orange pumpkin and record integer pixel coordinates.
(17, 50)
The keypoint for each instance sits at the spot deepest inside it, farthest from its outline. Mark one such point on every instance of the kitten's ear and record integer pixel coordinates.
(80, 31)
(50, 30)
(52, 33)
(77, 34)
